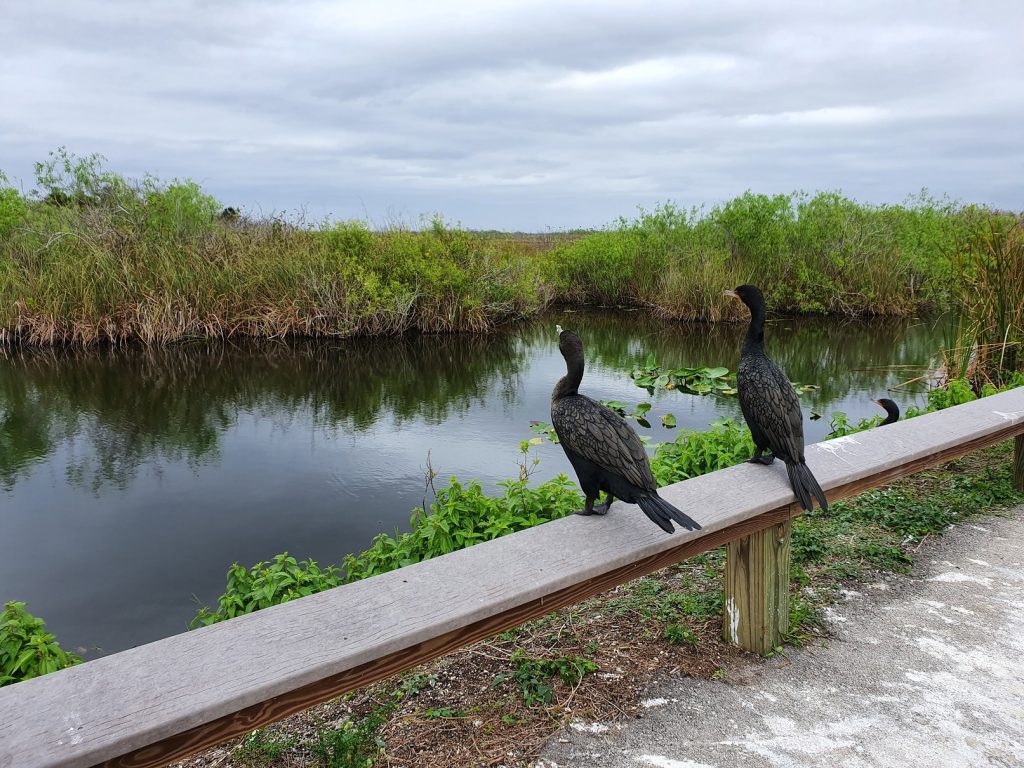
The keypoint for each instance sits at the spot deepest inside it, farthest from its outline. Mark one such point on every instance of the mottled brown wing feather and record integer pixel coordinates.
(602, 436)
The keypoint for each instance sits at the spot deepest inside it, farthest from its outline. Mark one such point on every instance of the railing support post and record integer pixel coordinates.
(757, 589)
(1018, 462)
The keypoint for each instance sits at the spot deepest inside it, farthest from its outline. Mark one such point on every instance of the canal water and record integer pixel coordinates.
(131, 479)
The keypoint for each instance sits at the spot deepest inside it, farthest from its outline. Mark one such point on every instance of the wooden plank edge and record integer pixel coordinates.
(1018, 463)
(221, 729)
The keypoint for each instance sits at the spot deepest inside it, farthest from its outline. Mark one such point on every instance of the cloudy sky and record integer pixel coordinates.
(521, 115)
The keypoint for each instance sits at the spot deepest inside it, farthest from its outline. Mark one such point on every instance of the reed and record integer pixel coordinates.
(990, 334)
(93, 257)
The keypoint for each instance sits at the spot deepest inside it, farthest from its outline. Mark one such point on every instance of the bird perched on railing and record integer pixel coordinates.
(891, 409)
(603, 449)
(770, 405)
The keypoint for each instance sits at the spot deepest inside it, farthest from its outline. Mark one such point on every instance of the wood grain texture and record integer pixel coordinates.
(756, 589)
(161, 701)
(1018, 462)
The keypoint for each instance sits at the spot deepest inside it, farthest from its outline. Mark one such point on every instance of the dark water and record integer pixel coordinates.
(130, 480)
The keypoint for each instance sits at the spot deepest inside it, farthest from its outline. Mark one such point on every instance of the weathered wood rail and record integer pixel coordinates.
(165, 700)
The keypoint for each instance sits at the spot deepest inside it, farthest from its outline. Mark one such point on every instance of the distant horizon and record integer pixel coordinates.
(26, 188)
(522, 116)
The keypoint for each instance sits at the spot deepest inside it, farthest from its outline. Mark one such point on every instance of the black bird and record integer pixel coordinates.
(603, 449)
(891, 409)
(770, 405)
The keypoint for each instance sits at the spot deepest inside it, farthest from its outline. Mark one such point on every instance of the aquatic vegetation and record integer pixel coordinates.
(696, 381)
(462, 515)
(694, 453)
(27, 650)
(91, 256)
(823, 254)
(987, 348)
(955, 392)
(267, 584)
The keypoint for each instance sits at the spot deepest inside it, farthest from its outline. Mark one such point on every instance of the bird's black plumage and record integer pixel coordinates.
(770, 405)
(892, 411)
(605, 452)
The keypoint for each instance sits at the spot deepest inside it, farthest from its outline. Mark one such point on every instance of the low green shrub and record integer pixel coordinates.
(267, 584)
(535, 677)
(463, 515)
(27, 650)
(695, 453)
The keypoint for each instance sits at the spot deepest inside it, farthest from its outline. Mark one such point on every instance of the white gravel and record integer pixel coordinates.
(927, 671)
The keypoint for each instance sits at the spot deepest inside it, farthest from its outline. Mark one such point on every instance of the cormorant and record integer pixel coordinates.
(770, 405)
(891, 409)
(603, 449)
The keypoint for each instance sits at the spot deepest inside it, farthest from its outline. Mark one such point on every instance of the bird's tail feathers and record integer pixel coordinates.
(662, 514)
(805, 486)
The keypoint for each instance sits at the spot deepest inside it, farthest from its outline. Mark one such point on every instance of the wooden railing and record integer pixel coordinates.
(165, 700)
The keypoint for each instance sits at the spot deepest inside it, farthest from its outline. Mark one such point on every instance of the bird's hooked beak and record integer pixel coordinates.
(878, 403)
(731, 294)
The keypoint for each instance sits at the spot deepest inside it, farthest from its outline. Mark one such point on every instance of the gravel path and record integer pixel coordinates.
(925, 670)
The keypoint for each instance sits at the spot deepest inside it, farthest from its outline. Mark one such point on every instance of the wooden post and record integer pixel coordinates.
(1018, 462)
(757, 589)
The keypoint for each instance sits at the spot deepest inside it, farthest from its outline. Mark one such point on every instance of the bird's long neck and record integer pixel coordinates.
(892, 415)
(753, 342)
(569, 384)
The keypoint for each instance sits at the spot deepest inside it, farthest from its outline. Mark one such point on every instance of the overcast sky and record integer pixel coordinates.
(521, 115)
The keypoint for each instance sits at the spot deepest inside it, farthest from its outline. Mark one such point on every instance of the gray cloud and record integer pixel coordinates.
(521, 115)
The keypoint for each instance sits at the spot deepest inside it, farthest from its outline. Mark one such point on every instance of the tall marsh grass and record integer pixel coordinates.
(93, 257)
(821, 254)
(988, 345)
(90, 256)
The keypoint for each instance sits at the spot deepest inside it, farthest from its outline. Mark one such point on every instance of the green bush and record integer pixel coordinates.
(177, 211)
(267, 584)
(12, 209)
(27, 650)
(463, 515)
(692, 453)
(90, 255)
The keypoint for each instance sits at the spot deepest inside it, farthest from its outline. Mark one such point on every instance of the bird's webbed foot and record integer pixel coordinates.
(759, 458)
(591, 509)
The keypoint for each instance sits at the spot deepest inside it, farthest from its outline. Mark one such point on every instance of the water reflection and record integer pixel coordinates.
(131, 479)
(131, 406)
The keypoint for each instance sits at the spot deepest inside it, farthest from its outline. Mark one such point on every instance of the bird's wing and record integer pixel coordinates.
(769, 401)
(600, 435)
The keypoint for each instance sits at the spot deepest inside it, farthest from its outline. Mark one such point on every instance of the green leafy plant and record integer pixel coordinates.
(696, 381)
(694, 453)
(680, 634)
(443, 713)
(533, 677)
(267, 584)
(12, 208)
(262, 747)
(27, 650)
(545, 429)
(352, 744)
(463, 515)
